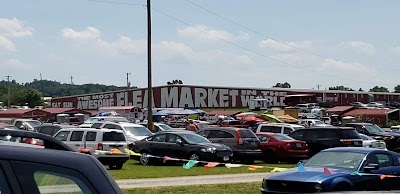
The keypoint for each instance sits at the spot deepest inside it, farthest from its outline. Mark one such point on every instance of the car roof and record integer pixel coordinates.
(360, 123)
(225, 128)
(282, 124)
(325, 128)
(363, 150)
(57, 124)
(91, 129)
(177, 132)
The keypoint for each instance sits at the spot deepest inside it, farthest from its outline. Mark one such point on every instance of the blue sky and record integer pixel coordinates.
(306, 43)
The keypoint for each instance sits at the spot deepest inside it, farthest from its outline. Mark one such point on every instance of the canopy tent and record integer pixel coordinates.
(271, 118)
(199, 111)
(107, 113)
(175, 112)
(245, 114)
(288, 119)
(253, 119)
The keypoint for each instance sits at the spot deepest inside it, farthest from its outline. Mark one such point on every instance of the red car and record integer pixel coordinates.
(279, 147)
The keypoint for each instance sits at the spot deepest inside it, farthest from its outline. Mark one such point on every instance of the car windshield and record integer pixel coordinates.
(33, 123)
(165, 127)
(202, 126)
(335, 159)
(138, 131)
(194, 138)
(374, 129)
(282, 137)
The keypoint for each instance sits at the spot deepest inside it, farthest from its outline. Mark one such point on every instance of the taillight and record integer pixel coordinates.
(239, 140)
(346, 142)
(99, 146)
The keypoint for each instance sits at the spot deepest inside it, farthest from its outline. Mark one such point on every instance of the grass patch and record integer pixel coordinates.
(239, 188)
(133, 170)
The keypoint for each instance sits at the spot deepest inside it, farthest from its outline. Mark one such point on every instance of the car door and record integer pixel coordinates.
(76, 140)
(313, 139)
(174, 149)
(158, 145)
(90, 138)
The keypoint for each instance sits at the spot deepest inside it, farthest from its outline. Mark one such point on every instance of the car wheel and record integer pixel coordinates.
(194, 156)
(144, 160)
(248, 161)
(269, 157)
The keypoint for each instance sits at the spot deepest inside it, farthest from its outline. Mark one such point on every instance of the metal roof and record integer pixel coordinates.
(340, 109)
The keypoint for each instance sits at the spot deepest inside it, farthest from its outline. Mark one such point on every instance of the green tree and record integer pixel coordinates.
(343, 88)
(282, 85)
(397, 89)
(379, 89)
(175, 81)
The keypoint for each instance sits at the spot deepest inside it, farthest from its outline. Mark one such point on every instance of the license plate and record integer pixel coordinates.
(252, 143)
(298, 145)
(226, 158)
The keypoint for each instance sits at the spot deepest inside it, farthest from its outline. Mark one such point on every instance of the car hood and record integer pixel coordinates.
(312, 174)
(216, 145)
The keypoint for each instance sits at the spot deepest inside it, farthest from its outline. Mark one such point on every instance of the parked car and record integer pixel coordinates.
(320, 138)
(27, 168)
(283, 128)
(26, 124)
(134, 132)
(370, 142)
(107, 145)
(375, 104)
(358, 104)
(89, 122)
(391, 139)
(181, 145)
(313, 123)
(393, 104)
(157, 127)
(51, 128)
(279, 147)
(337, 169)
(243, 142)
(7, 126)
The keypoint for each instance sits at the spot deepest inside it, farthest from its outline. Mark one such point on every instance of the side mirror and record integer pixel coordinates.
(179, 141)
(371, 167)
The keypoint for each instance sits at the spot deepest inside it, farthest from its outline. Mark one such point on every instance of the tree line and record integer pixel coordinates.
(344, 88)
(31, 93)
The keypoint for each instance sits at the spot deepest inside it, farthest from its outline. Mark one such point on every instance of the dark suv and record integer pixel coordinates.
(243, 142)
(391, 139)
(52, 128)
(320, 138)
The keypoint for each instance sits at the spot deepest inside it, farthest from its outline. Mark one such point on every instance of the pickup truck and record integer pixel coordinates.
(26, 124)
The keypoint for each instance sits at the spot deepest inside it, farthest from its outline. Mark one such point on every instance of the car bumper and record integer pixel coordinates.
(212, 157)
(113, 160)
(255, 154)
(293, 154)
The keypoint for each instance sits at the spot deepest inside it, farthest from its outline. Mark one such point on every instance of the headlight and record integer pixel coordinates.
(211, 150)
(264, 184)
(318, 187)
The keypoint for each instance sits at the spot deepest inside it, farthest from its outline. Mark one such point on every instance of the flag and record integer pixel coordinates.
(278, 170)
(301, 167)
(388, 176)
(210, 165)
(253, 167)
(166, 158)
(131, 152)
(229, 165)
(327, 171)
(190, 164)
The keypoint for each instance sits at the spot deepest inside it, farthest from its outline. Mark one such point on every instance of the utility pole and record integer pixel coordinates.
(41, 84)
(127, 89)
(72, 80)
(318, 86)
(149, 85)
(9, 91)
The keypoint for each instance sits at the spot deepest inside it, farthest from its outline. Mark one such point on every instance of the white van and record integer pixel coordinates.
(89, 122)
(282, 128)
(107, 145)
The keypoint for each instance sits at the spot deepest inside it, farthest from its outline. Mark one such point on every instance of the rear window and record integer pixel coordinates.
(113, 136)
(350, 134)
(247, 134)
(282, 137)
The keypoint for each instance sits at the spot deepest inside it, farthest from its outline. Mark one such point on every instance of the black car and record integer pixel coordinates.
(51, 168)
(320, 138)
(391, 139)
(243, 142)
(51, 128)
(181, 145)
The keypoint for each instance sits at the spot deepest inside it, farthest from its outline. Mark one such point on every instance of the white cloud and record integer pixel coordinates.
(15, 64)
(285, 46)
(202, 32)
(395, 50)
(14, 28)
(332, 65)
(7, 44)
(361, 47)
(90, 33)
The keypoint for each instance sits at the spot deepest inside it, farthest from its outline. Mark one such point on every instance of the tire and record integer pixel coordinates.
(269, 157)
(194, 156)
(248, 161)
(143, 159)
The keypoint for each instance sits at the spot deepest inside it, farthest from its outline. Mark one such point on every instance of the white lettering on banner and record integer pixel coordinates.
(212, 98)
(223, 98)
(95, 101)
(169, 99)
(186, 98)
(145, 104)
(137, 98)
(200, 95)
(121, 99)
(245, 100)
(233, 94)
